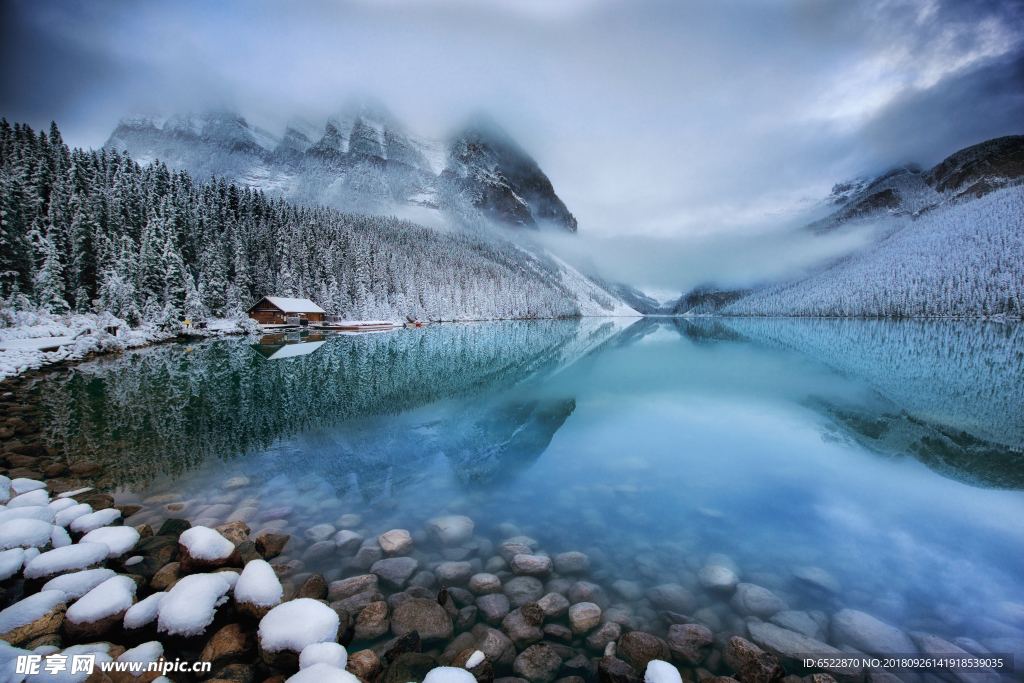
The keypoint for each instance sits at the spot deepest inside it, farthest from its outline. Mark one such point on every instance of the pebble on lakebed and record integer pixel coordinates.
(271, 587)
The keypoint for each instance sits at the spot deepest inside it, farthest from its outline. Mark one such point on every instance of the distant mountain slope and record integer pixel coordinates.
(705, 299)
(972, 172)
(948, 242)
(964, 259)
(360, 160)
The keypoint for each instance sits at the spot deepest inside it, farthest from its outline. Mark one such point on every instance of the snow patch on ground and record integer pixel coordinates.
(31, 338)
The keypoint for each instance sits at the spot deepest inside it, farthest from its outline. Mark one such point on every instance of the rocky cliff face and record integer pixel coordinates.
(360, 159)
(970, 173)
(503, 181)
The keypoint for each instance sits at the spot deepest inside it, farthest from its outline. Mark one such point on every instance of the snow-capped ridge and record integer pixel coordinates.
(361, 158)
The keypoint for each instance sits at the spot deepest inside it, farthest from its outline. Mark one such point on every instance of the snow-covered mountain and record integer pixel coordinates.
(359, 160)
(970, 173)
(947, 244)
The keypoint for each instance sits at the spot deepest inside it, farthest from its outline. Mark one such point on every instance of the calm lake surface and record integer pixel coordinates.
(888, 454)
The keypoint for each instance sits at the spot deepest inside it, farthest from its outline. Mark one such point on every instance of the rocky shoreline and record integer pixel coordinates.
(232, 585)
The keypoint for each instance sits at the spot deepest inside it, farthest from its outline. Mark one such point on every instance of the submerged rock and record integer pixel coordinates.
(412, 667)
(801, 622)
(718, 579)
(865, 633)
(494, 607)
(453, 573)
(523, 589)
(450, 531)
(396, 542)
(554, 605)
(372, 621)
(628, 590)
(688, 642)
(530, 565)
(538, 664)
(424, 616)
(819, 578)
(584, 616)
(608, 632)
(572, 563)
(671, 596)
(752, 600)
(395, 571)
(639, 649)
(585, 591)
(484, 584)
(522, 625)
(792, 647)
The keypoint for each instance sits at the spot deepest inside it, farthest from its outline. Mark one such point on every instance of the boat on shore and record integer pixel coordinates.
(359, 325)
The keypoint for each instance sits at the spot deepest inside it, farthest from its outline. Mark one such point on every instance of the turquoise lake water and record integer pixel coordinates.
(888, 454)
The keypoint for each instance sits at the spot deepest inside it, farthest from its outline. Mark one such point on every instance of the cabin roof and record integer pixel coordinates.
(291, 305)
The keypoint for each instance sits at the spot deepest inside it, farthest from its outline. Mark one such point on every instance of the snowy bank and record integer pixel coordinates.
(31, 338)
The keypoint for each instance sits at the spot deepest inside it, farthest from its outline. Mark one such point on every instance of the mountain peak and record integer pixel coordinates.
(506, 183)
(361, 159)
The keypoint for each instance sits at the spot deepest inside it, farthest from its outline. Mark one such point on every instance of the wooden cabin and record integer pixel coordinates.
(272, 310)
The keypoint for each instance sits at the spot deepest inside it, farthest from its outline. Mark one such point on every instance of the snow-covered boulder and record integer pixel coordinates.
(42, 513)
(120, 539)
(95, 520)
(100, 609)
(76, 492)
(258, 589)
(449, 674)
(77, 584)
(69, 514)
(22, 485)
(30, 554)
(35, 616)
(11, 562)
(59, 537)
(71, 558)
(323, 653)
(203, 549)
(290, 627)
(25, 533)
(62, 504)
(192, 604)
(37, 497)
(144, 611)
(322, 673)
(144, 654)
(660, 672)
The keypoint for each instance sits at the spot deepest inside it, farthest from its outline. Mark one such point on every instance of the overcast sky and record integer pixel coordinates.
(672, 120)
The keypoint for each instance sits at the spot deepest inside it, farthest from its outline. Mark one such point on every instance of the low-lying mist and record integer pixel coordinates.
(681, 263)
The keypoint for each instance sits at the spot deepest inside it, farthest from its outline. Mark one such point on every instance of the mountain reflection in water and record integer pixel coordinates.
(946, 393)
